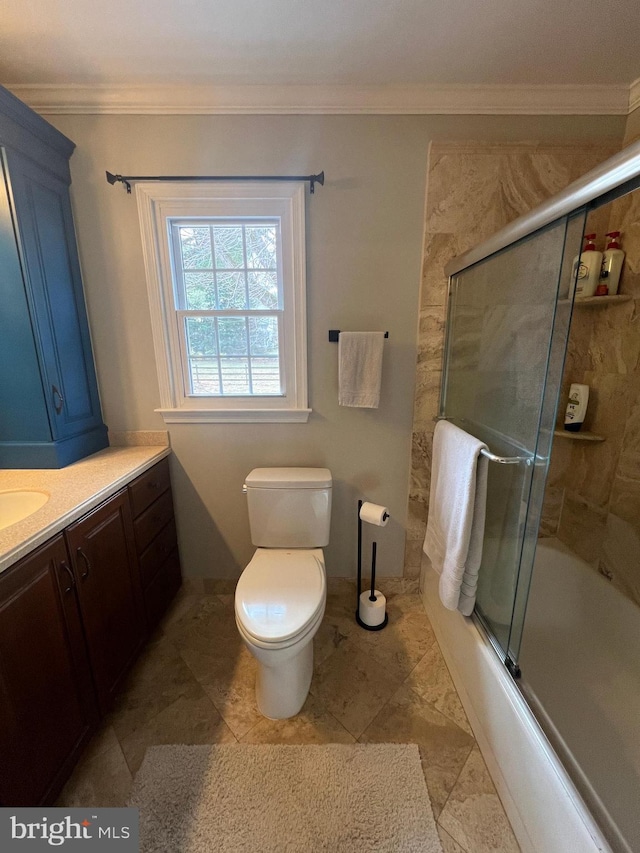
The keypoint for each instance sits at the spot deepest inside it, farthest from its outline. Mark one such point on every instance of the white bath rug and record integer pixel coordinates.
(284, 799)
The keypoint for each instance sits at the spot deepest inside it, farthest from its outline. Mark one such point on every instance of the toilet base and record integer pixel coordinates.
(281, 690)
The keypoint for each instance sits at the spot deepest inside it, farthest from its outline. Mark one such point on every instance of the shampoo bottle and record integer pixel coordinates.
(587, 268)
(576, 407)
(612, 261)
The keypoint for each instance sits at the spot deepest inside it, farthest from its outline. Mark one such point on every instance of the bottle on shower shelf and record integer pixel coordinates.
(586, 269)
(612, 261)
(576, 407)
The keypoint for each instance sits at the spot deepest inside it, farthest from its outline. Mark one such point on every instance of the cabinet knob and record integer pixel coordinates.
(72, 580)
(87, 564)
(58, 399)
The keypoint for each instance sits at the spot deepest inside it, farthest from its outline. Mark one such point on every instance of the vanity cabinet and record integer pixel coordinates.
(74, 615)
(49, 407)
(105, 567)
(156, 540)
(47, 702)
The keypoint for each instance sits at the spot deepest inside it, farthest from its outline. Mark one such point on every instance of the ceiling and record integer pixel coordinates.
(351, 44)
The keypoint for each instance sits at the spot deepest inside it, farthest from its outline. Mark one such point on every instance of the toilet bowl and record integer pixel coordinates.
(279, 605)
(281, 594)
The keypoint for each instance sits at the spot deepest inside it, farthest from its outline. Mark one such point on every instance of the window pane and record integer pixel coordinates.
(233, 335)
(263, 335)
(228, 247)
(235, 375)
(195, 244)
(231, 290)
(261, 247)
(263, 289)
(204, 376)
(201, 336)
(200, 291)
(266, 376)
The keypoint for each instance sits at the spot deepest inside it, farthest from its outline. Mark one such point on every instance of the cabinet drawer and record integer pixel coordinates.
(157, 552)
(152, 520)
(162, 589)
(149, 486)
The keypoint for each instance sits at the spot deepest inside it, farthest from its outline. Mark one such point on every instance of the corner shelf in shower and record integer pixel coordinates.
(598, 300)
(578, 436)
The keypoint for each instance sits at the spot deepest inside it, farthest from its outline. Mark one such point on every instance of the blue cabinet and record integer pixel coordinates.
(49, 407)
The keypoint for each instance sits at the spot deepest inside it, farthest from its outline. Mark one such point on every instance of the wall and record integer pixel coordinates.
(365, 231)
(472, 191)
(592, 499)
(632, 129)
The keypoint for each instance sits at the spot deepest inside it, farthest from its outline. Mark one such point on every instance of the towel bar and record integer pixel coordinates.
(501, 460)
(505, 460)
(334, 335)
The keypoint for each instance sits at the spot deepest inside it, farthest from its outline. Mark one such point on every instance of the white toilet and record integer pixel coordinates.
(281, 595)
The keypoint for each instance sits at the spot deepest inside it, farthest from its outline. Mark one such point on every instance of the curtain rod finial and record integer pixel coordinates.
(112, 179)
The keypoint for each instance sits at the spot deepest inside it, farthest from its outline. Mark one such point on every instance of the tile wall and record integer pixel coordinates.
(592, 502)
(473, 190)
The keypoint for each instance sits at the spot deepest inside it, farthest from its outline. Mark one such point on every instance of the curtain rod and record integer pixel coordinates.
(127, 179)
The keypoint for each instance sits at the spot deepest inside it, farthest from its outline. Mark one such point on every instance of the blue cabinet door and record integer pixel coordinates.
(52, 275)
(23, 413)
(49, 407)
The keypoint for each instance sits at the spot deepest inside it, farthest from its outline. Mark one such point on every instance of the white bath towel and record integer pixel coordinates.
(457, 506)
(360, 368)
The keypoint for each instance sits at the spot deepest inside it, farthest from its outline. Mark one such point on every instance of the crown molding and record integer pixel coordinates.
(634, 95)
(308, 100)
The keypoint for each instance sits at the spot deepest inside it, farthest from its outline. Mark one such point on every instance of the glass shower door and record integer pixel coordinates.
(506, 339)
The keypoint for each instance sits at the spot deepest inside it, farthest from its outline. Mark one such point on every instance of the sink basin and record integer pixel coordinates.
(18, 504)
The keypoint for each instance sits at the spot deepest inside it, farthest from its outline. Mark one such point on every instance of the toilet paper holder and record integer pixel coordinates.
(372, 596)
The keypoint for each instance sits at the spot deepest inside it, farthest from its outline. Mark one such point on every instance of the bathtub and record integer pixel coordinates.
(546, 810)
(580, 661)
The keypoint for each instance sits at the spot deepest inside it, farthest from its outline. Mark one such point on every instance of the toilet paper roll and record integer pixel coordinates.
(374, 514)
(372, 613)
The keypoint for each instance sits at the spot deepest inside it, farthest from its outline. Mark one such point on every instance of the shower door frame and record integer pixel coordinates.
(537, 459)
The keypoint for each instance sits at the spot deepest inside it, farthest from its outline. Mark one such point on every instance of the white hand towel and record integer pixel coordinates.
(360, 368)
(457, 507)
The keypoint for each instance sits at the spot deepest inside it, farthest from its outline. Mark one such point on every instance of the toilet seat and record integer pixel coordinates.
(298, 639)
(281, 595)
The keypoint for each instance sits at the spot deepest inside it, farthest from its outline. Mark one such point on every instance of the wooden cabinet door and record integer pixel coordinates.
(23, 413)
(105, 566)
(54, 286)
(47, 702)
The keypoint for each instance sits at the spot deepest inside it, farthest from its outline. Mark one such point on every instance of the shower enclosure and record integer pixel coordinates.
(566, 634)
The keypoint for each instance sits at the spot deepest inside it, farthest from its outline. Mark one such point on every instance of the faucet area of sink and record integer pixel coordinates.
(17, 504)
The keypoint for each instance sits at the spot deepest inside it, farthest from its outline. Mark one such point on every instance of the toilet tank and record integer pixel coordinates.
(289, 507)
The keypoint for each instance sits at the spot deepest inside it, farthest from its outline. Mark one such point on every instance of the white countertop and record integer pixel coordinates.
(74, 491)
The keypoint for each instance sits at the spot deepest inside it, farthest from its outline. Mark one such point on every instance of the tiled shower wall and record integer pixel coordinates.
(472, 191)
(592, 502)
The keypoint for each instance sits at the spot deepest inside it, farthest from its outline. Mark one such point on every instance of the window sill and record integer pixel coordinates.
(235, 416)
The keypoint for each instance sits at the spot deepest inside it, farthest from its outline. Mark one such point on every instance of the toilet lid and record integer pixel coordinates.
(280, 592)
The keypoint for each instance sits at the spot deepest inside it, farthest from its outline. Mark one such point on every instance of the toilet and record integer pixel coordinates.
(281, 595)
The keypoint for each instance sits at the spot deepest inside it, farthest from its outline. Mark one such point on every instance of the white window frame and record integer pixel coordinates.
(158, 205)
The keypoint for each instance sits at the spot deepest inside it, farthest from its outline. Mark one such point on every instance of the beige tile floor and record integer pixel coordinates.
(194, 685)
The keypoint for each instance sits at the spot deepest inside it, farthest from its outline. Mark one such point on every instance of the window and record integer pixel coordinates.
(225, 267)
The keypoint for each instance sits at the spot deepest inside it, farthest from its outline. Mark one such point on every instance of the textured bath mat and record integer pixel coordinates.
(272, 799)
